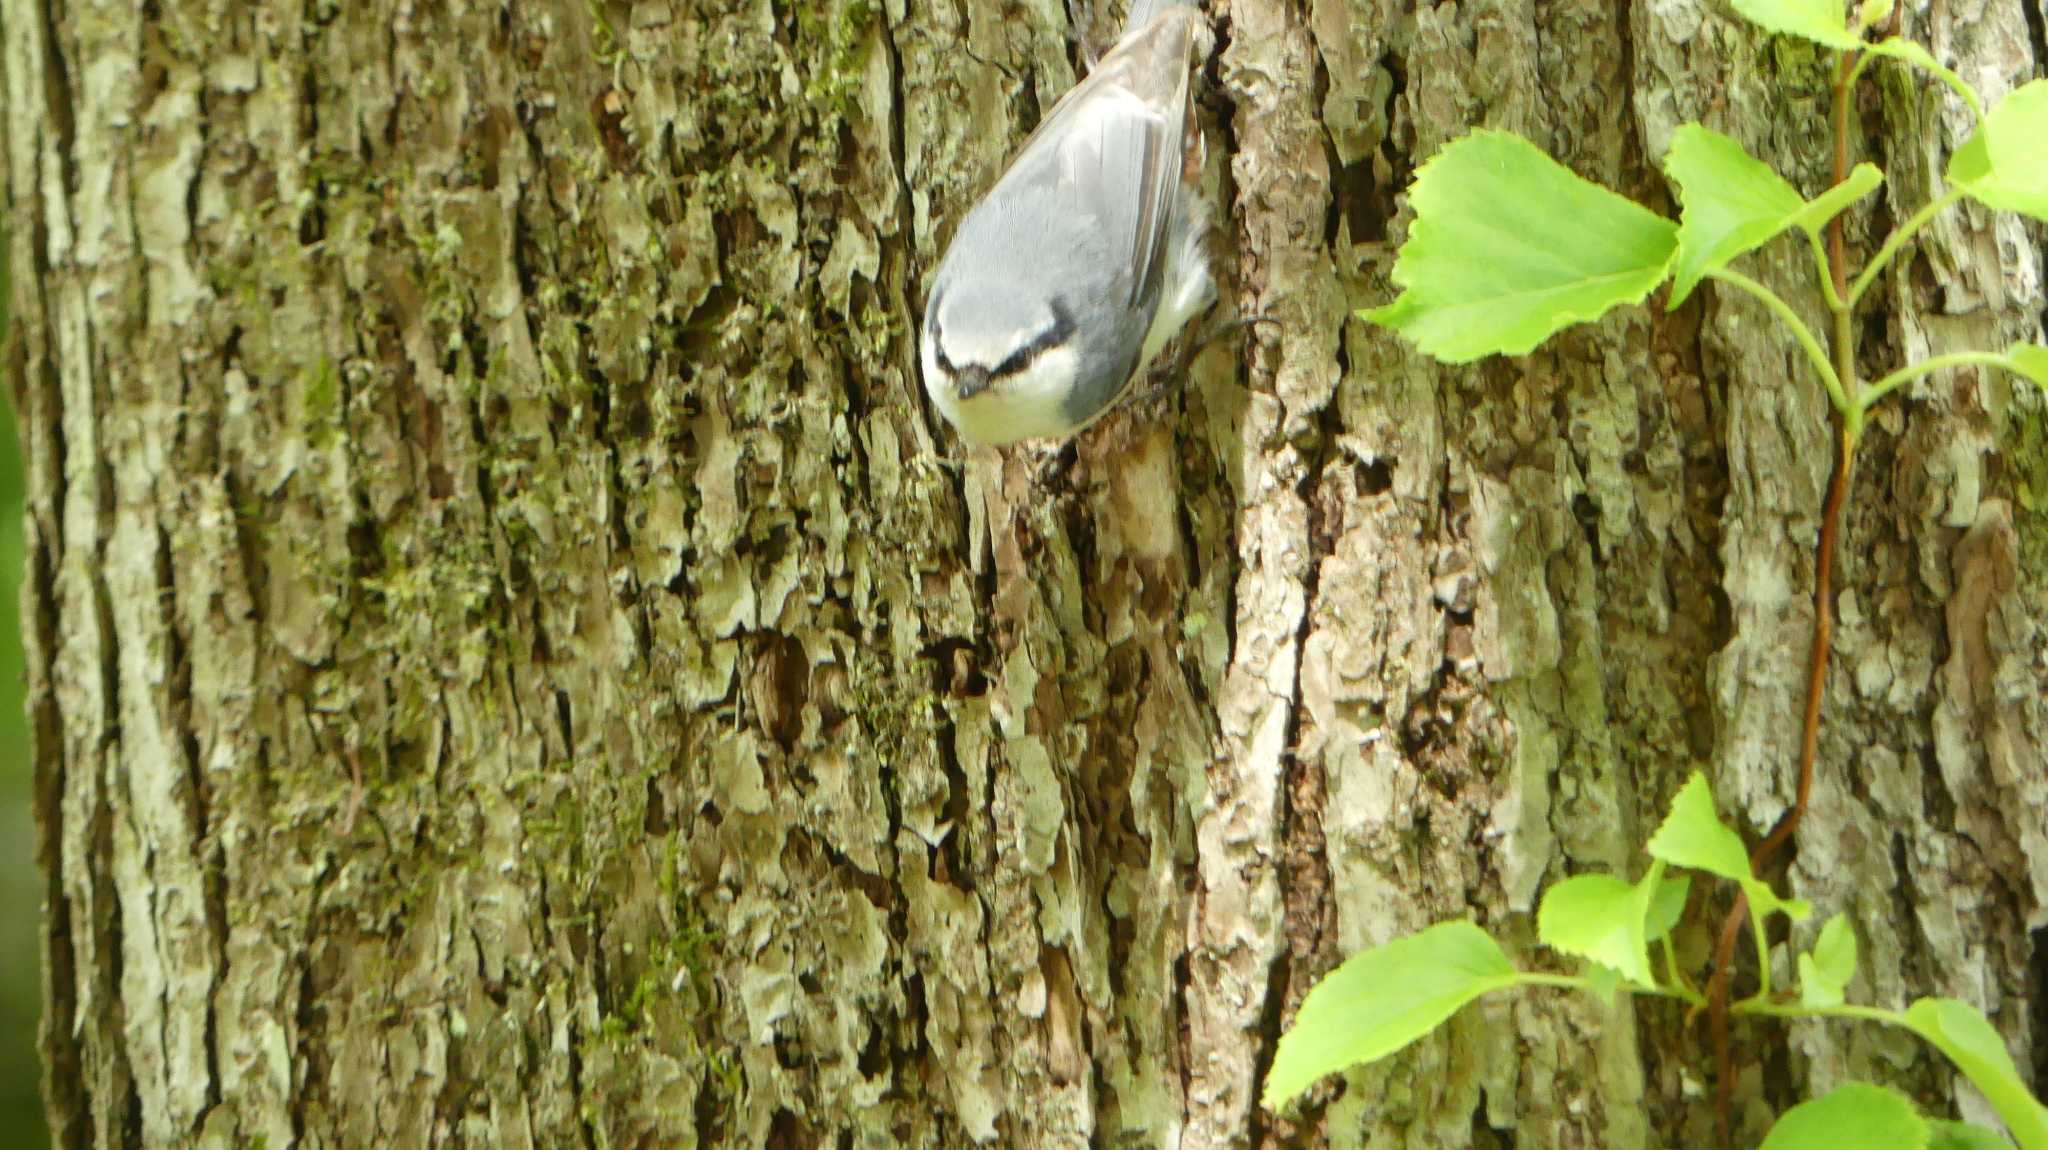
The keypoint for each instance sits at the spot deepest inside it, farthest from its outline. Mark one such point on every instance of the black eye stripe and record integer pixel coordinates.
(1061, 330)
(1022, 358)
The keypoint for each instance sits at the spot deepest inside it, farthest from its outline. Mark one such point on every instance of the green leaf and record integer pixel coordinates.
(1734, 203)
(1854, 1116)
(1871, 13)
(1766, 901)
(1509, 247)
(1822, 21)
(1959, 1031)
(1908, 51)
(2030, 360)
(1825, 971)
(1600, 917)
(1861, 181)
(1667, 907)
(1815, 989)
(2004, 165)
(1945, 1135)
(1692, 835)
(1602, 981)
(1382, 999)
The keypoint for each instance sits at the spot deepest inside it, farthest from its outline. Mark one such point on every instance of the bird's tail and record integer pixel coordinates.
(1142, 12)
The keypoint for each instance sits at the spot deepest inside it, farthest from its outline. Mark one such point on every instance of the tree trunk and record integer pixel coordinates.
(515, 661)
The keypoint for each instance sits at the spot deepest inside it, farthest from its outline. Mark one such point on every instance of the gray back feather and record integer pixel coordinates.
(1142, 11)
(1083, 226)
(1005, 286)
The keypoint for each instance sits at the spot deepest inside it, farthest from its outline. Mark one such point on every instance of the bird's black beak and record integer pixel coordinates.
(971, 381)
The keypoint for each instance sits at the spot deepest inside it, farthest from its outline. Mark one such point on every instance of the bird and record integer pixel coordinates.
(1088, 254)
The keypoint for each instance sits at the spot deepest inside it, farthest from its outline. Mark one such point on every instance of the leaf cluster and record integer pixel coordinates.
(1383, 999)
(1508, 247)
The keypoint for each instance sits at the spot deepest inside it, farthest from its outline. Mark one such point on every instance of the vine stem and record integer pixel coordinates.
(1845, 1010)
(1929, 366)
(1846, 393)
(1804, 334)
(1580, 982)
(1823, 644)
(1809, 746)
(1898, 239)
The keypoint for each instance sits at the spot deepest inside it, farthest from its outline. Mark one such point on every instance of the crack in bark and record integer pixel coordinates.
(335, 969)
(67, 1087)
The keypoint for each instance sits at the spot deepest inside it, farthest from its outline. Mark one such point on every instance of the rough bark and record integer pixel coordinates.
(514, 660)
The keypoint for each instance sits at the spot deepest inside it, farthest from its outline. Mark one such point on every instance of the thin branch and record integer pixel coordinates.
(1913, 371)
(1675, 976)
(1823, 643)
(1898, 239)
(1884, 48)
(1961, 88)
(1804, 334)
(1580, 982)
(1823, 272)
(1763, 948)
(1956, 84)
(1795, 1010)
(1717, 1014)
(1846, 72)
(1809, 746)
(1560, 981)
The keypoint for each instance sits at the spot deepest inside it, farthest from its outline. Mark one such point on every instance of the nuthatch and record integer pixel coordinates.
(1087, 256)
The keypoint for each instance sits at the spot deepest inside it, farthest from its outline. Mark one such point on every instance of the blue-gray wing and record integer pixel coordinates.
(1113, 146)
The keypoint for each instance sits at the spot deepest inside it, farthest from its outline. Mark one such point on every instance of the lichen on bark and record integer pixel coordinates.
(515, 661)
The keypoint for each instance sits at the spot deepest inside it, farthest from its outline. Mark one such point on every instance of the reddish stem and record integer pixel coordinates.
(1823, 645)
(1809, 746)
(1719, 981)
(1717, 1015)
